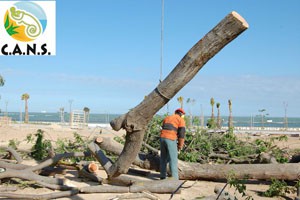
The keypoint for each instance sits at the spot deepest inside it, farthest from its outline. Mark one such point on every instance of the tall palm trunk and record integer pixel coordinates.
(230, 120)
(212, 103)
(219, 116)
(25, 97)
(26, 112)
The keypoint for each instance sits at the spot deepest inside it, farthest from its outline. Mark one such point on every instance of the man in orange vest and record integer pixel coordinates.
(171, 142)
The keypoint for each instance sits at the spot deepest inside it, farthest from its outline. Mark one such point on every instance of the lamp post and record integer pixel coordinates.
(285, 105)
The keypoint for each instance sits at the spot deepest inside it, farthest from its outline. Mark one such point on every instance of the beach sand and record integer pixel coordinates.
(190, 190)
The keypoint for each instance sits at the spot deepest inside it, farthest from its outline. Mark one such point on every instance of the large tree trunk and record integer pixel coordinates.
(142, 160)
(136, 120)
(195, 171)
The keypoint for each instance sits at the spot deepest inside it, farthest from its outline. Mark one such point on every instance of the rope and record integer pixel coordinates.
(161, 94)
(161, 39)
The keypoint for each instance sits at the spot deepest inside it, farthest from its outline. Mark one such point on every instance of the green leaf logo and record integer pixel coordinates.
(10, 28)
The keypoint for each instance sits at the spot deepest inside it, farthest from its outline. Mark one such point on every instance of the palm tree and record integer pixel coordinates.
(180, 100)
(212, 103)
(25, 97)
(230, 122)
(2, 81)
(219, 117)
(211, 122)
(86, 111)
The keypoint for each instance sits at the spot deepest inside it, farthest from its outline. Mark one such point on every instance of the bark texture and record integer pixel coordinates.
(136, 120)
(196, 171)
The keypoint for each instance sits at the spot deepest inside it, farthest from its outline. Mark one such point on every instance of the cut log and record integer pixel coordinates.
(53, 195)
(159, 186)
(100, 156)
(125, 180)
(136, 120)
(195, 171)
(104, 189)
(85, 173)
(92, 167)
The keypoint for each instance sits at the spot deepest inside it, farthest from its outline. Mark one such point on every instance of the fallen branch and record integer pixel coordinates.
(8, 189)
(144, 194)
(54, 160)
(158, 186)
(12, 152)
(4, 164)
(29, 175)
(28, 172)
(104, 189)
(40, 196)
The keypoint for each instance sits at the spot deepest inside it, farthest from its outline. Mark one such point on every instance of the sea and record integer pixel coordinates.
(238, 121)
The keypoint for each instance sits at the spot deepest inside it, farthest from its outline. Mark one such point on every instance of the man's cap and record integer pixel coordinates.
(180, 110)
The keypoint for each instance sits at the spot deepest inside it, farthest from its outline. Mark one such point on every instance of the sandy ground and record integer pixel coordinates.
(190, 190)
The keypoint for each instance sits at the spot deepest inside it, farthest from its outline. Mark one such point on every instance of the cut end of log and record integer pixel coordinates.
(240, 18)
(99, 140)
(92, 167)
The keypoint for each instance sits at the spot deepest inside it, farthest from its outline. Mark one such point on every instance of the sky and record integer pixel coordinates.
(108, 57)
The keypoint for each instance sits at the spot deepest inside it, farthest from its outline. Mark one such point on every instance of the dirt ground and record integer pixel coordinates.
(190, 190)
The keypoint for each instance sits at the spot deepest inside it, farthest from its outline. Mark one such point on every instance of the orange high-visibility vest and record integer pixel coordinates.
(173, 127)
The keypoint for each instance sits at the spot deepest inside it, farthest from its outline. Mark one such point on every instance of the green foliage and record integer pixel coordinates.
(196, 121)
(278, 188)
(267, 145)
(68, 145)
(29, 138)
(41, 146)
(200, 144)
(280, 155)
(153, 132)
(211, 123)
(120, 140)
(13, 143)
(188, 121)
(78, 144)
(238, 184)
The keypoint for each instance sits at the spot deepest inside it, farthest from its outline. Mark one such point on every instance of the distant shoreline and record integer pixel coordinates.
(242, 130)
(254, 122)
